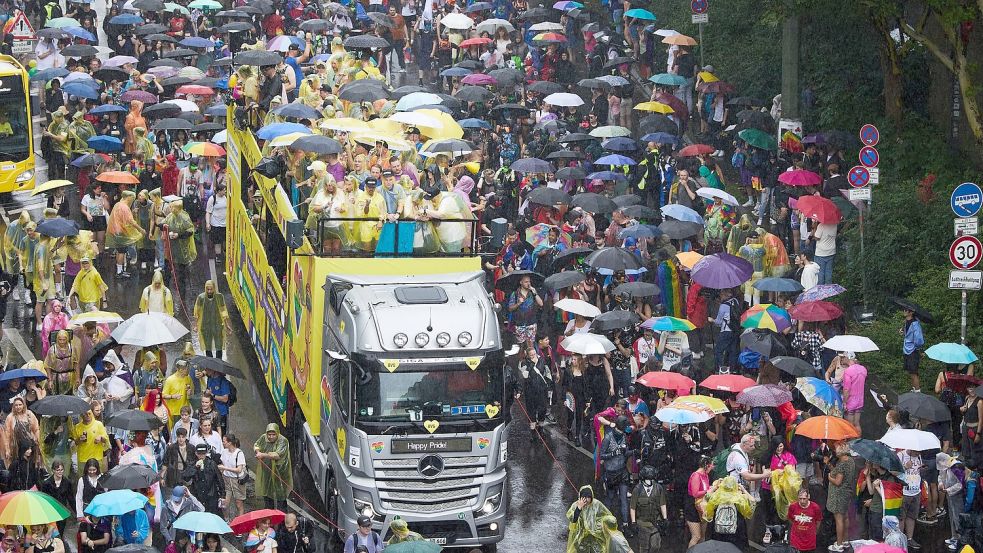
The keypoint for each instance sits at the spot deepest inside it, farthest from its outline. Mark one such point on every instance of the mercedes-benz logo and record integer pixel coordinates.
(431, 466)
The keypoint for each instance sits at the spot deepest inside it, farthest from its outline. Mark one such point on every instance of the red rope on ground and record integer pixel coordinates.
(310, 507)
(174, 280)
(548, 450)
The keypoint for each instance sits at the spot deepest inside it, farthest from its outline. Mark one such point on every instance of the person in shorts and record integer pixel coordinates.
(233, 467)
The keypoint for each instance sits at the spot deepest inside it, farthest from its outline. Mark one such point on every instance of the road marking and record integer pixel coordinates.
(13, 335)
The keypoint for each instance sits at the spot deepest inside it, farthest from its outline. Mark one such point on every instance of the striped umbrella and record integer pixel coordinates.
(668, 324)
(766, 315)
(24, 508)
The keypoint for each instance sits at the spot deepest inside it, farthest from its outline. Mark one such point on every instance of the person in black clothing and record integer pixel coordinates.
(94, 535)
(89, 483)
(536, 381)
(292, 535)
(271, 86)
(205, 481)
(26, 471)
(60, 488)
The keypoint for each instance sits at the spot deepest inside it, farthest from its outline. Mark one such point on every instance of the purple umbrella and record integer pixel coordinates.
(480, 79)
(764, 395)
(162, 72)
(141, 95)
(722, 270)
(820, 292)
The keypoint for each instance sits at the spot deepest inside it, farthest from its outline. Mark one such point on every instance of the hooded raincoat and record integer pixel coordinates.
(587, 533)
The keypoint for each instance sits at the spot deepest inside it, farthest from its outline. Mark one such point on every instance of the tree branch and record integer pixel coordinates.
(931, 46)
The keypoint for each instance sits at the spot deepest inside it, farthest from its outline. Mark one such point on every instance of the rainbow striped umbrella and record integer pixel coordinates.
(549, 38)
(24, 508)
(668, 324)
(766, 315)
(206, 149)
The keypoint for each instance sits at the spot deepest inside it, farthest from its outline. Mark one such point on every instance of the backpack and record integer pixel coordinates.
(720, 464)
(737, 160)
(736, 310)
(233, 394)
(725, 519)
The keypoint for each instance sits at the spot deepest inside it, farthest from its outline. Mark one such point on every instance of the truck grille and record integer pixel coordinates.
(401, 486)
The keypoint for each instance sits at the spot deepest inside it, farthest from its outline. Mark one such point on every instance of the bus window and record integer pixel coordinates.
(342, 378)
(13, 120)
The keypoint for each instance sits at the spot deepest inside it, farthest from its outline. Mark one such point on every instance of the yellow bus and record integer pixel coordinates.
(16, 129)
(388, 372)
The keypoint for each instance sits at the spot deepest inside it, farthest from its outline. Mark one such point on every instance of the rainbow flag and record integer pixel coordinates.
(892, 495)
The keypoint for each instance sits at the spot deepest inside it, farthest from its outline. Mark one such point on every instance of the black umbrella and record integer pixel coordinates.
(50, 32)
(564, 279)
(677, 230)
(593, 83)
(535, 13)
(317, 144)
(315, 25)
(180, 53)
(616, 61)
(236, 26)
(878, 453)
(534, 165)
(210, 82)
(58, 227)
(641, 212)
(502, 108)
(161, 37)
(576, 137)
(175, 81)
(508, 76)
(132, 548)
(794, 366)
(167, 62)
(129, 477)
(841, 139)
(239, 14)
(571, 173)
(657, 122)
(614, 320)
(257, 57)
(764, 342)
(593, 203)
(362, 93)
(208, 127)
(408, 89)
(637, 289)
(511, 280)
(564, 154)
(613, 259)
(108, 74)
(714, 546)
(382, 19)
(79, 51)
(133, 419)
(545, 195)
(545, 87)
(99, 350)
(149, 5)
(149, 28)
(162, 110)
(192, 117)
(60, 406)
(570, 255)
(451, 145)
(925, 407)
(215, 364)
(297, 110)
(173, 124)
(366, 41)
(627, 200)
(473, 94)
(908, 305)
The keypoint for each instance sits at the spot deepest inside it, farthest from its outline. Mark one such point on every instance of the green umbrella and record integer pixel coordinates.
(172, 7)
(758, 139)
(668, 79)
(846, 207)
(640, 13)
(416, 546)
(205, 5)
(62, 22)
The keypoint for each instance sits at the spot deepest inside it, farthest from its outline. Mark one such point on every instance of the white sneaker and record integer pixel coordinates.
(402, 70)
(748, 203)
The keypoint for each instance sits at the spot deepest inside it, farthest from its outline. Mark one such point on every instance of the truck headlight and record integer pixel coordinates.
(25, 176)
(421, 339)
(363, 504)
(400, 340)
(493, 500)
(464, 339)
(443, 339)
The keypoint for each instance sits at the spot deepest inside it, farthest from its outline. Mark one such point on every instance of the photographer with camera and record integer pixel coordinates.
(614, 455)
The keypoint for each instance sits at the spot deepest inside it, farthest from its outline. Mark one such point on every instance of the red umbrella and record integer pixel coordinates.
(961, 383)
(118, 177)
(676, 104)
(479, 41)
(666, 380)
(696, 150)
(820, 209)
(195, 89)
(727, 383)
(813, 311)
(479, 79)
(800, 177)
(242, 524)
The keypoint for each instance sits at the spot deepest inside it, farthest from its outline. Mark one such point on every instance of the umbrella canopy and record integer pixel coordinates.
(24, 508)
(682, 213)
(813, 311)
(479, 79)
(610, 131)
(577, 307)
(793, 366)
(571, 173)
(572, 255)
(909, 438)
(766, 315)
(826, 428)
(531, 165)
(668, 79)
(60, 406)
(734, 383)
(457, 21)
(668, 324)
(694, 150)
(850, 342)
(115, 503)
(269, 132)
(821, 394)
(666, 380)
(710, 403)
(877, 453)
(764, 342)
(149, 329)
(774, 284)
(25, 372)
(908, 305)
(637, 289)
(758, 139)
(545, 87)
(614, 320)
(205, 149)
(717, 194)
(202, 522)
(924, 406)
(539, 233)
(614, 160)
(133, 419)
(722, 270)
(417, 546)
(587, 344)
(953, 354)
(564, 99)
(820, 209)
(678, 230)
(215, 364)
(107, 317)
(564, 279)
(51, 185)
(682, 414)
(257, 57)
(317, 144)
(129, 477)
(820, 292)
(714, 546)
(613, 259)
(545, 195)
(689, 259)
(800, 177)
(593, 203)
(764, 395)
(58, 227)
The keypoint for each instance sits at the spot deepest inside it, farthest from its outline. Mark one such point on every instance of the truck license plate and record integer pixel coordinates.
(438, 541)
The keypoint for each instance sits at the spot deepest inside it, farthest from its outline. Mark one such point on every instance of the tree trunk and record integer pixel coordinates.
(893, 84)
(971, 105)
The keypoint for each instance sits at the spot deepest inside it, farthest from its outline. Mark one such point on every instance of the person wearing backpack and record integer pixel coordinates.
(223, 393)
(728, 321)
(365, 536)
(729, 506)
(614, 456)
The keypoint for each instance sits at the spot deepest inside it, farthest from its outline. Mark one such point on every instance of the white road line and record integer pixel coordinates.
(18, 342)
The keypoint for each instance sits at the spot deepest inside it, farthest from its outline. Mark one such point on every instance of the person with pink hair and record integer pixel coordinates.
(55, 320)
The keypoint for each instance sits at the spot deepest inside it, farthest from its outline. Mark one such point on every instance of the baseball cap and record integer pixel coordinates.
(201, 448)
(178, 492)
(387, 173)
(371, 182)
(413, 130)
(364, 521)
(317, 165)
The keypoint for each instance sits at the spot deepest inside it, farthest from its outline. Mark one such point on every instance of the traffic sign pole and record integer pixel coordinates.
(700, 9)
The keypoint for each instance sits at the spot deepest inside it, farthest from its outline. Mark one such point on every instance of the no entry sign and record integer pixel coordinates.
(965, 252)
(858, 177)
(869, 156)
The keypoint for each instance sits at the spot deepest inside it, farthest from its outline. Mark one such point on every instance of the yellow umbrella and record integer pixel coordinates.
(688, 259)
(51, 185)
(714, 405)
(657, 107)
(286, 139)
(371, 137)
(386, 126)
(449, 128)
(96, 317)
(679, 40)
(346, 124)
(707, 77)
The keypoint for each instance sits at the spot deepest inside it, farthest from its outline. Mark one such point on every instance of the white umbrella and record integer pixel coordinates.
(416, 119)
(909, 438)
(577, 307)
(457, 21)
(587, 344)
(416, 99)
(491, 25)
(564, 99)
(220, 137)
(613, 80)
(714, 193)
(609, 131)
(119, 61)
(185, 105)
(149, 329)
(666, 32)
(850, 342)
(547, 26)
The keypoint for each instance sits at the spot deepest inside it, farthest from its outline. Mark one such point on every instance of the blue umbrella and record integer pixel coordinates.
(660, 138)
(668, 79)
(48, 74)
(472, 123)
(126, 19)
(607, 175)
(455, 72)
(196, 42)
(822, 394)
(116, 503)
(640, 13)
(774, 284)
(107, 108)
(216, 110)
(682, 213)
(106, 144)
(640, 231)
(81, 90)
(620, 144)
(682, 415)
(954, 354)
(58, 227)
(202, 522)
(79, 32)
(614, 159)
(88, 160)
(15, 374)
(269, 132)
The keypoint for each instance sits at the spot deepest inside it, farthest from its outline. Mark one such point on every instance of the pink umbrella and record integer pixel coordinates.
(480, 79)
(141, 95)
(800, 177)
(162, 72)
(119, 61)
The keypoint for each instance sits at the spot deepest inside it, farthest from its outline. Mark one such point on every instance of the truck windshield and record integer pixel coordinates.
(13, 119)
(418, 391)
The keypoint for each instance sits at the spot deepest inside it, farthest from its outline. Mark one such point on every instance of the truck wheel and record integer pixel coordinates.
(490, 548)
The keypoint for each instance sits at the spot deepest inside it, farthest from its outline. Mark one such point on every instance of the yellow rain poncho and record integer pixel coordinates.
(785, 486)
(122, 228)
(726, 491)
(777, 262)
(587, 533)
(616, 541)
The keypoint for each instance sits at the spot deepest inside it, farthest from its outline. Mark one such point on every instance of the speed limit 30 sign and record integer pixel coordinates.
(965, 252)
